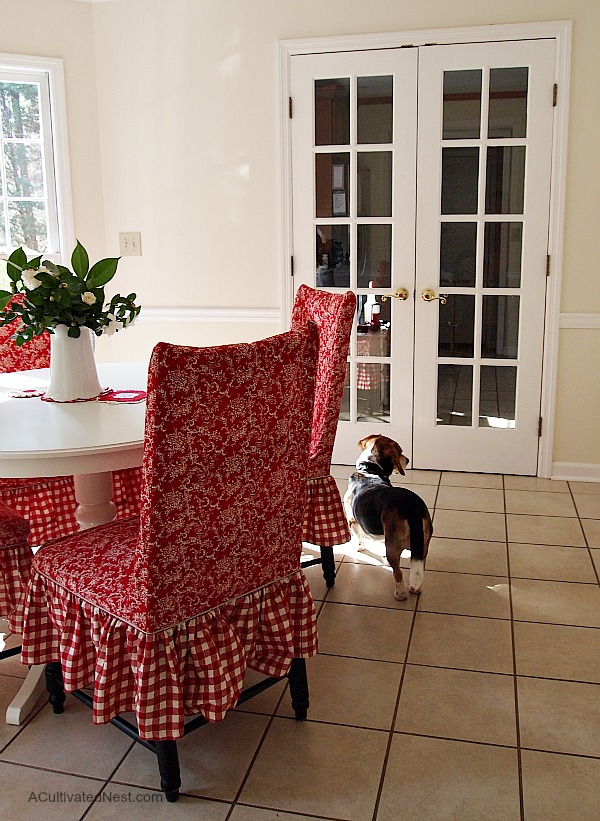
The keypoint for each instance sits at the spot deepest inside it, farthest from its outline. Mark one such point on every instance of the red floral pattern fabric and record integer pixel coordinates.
(325, 521)
(33, 354)
(207, 581)
(15, 559)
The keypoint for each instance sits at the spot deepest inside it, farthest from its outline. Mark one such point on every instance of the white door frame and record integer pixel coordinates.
(557, 30)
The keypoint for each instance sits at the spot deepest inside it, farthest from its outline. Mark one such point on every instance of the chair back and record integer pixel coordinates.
(224, 473)
(333, 315)
(33, 354)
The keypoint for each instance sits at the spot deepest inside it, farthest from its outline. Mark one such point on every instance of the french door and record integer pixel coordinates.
(421, 181)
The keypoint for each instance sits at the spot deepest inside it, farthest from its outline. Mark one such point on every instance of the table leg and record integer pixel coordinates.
(27, 697)
(94, 492)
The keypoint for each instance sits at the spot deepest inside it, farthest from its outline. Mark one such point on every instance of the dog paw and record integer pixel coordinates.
(414, 591)
(399, 594)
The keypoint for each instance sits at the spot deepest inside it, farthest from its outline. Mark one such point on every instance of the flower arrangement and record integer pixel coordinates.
(55, 295)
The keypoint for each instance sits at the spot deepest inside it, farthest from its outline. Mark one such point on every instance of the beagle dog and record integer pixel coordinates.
(376, 509)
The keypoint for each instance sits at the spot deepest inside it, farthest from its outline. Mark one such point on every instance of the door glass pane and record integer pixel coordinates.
(374, 183)
(497, 398)
(460, 175)
(502, 252)
(500, 331)
(373, 330)
(508, 102)
(457, 325)
(332, 112)
(373, 256)
(373, 392)
(462, 104)
(345, 406)
(24, 170)
(458, 254)
(505, 179)
(455, 395)
(375, 97)
(332, 184)
(332, 243)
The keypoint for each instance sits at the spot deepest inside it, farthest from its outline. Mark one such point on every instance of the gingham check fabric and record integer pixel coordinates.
(15, 559)
(162, 614)
(47, 504)
(127, 489)
(325, 522)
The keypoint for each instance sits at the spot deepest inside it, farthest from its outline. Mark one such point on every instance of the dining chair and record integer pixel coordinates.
(49, 504)
(325, 523)
(15, 563)
(163, 614)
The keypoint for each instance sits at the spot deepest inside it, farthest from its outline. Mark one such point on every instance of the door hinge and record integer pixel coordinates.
(548, 265)
(540, 421)
(554, 93)
(292, 266)
(290, 107)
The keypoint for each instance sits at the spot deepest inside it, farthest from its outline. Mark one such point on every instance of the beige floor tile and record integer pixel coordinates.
(596, 559)
(432, 779)
(465, 594)
(533, 483)
(12, 666)
(470, 498)
(560, 716)
(558, 787)
(38, 795)
(588, 505)
(467, 556)
(342, 471)
(69, 742)
(267, 701)
(460, 524)
(489, 480)
(242, 813)
(556, 602)
(458, 704)
(332, 767)
(587, 488)
(557, 651)
(539, 503)
(462, 642)
(366, 584)
(213, 760)
(544, 530)
(552, 562)
(364, 632)
(357, 692)
(314, 575)
(123, 803)
(417, 477)
(591, 528)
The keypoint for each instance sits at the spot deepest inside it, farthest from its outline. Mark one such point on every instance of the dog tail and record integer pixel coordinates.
(417, 542)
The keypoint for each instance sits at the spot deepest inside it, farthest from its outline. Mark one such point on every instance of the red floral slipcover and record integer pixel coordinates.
(49, 504)
(163, 614)
(324, 521)
(15, 559)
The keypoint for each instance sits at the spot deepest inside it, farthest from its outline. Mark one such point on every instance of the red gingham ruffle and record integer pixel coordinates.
(325, 522)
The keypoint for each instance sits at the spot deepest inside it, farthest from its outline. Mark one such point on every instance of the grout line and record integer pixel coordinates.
(587, 544)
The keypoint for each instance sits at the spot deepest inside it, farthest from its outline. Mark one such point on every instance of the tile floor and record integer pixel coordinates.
(480, 700)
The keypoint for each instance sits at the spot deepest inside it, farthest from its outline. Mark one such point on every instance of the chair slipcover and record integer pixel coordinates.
(163, 614)
(15, 559)
(49, 504)
(325, 522)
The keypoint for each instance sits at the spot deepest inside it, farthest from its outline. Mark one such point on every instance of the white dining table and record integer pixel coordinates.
(86, 440)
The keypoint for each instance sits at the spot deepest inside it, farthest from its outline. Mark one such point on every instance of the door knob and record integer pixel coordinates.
(427, 295)
(399, 293)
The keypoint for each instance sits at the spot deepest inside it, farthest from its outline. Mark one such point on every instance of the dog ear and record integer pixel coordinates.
(364, 442)
(397, 459)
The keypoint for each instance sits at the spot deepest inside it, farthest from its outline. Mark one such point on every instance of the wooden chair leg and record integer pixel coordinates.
(54, 686)
(299, 688)
(168, 766)
(328, 564)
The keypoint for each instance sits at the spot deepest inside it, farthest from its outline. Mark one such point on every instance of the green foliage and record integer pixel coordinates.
(55, 295)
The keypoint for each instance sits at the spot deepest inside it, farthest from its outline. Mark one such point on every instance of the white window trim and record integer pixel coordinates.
(52, 68)
(559, 30)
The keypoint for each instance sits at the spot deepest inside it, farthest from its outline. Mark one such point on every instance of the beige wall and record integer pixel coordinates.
(173, 124)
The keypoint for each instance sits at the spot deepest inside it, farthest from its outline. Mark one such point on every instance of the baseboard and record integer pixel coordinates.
(576, 471)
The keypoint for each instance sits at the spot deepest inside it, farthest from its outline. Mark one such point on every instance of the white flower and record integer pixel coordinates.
(88, 297)
(30, 280)
(113, 326)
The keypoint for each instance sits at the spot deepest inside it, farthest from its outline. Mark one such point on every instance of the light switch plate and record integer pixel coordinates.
(130, 244)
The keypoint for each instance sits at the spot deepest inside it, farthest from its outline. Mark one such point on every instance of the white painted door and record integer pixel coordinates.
(452, 200)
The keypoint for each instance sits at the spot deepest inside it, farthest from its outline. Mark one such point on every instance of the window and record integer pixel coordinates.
(35, 207)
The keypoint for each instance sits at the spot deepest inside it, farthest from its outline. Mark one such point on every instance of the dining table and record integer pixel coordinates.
(84, 439)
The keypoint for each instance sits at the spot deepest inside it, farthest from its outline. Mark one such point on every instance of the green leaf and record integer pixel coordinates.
(80, 261)
(15, 264)
(51, 266)
(102, 272)
(5, 297)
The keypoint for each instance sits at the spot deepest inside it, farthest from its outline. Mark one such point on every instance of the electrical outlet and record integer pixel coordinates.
(130, 244)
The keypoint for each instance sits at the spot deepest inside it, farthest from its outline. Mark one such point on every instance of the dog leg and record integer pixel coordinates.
(395, 533)
(417, 571)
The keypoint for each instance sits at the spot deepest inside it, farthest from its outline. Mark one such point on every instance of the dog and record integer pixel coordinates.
(376, 509)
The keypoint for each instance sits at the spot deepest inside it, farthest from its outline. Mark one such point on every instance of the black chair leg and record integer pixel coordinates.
(168, 766)
(54, 686)
(299, 688)
(328, 563)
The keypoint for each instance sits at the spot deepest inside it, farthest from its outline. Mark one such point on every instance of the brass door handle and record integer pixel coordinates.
(399, 293)
(427, 295)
